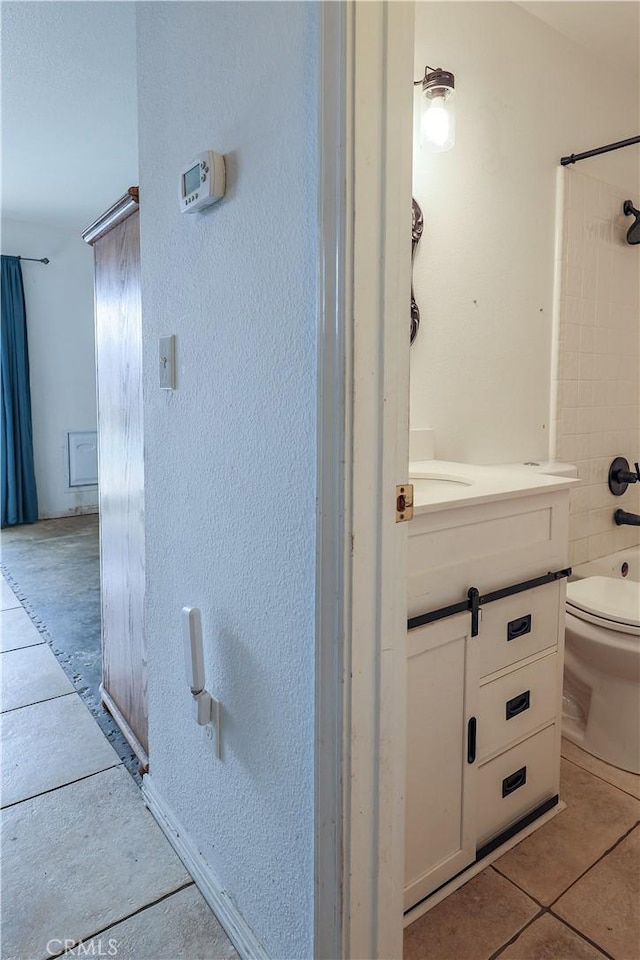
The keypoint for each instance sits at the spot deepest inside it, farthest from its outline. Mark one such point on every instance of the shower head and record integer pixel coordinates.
(633, 233)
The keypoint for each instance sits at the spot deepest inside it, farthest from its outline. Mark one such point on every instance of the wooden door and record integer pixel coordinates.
(116, 241)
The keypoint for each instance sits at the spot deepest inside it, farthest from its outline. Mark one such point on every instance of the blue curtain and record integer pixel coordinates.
(17, 481)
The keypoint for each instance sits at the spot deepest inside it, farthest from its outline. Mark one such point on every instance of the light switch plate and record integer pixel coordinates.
(167, 362)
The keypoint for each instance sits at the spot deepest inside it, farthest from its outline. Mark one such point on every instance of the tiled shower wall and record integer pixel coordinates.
(598, 370)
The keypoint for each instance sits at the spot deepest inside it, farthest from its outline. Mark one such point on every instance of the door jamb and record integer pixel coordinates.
(334, 427)
(365, 218)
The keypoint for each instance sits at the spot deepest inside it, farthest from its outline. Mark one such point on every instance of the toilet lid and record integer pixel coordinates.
(606, 598)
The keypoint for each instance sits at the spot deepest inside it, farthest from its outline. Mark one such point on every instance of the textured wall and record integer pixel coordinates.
(484, 273)
(598, 383)
(59, 300)
(230, 456)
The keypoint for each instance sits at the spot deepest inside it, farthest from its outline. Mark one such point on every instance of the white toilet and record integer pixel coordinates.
(602, 669)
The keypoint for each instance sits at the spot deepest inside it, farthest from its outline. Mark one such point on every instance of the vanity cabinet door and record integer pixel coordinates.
(442, 684)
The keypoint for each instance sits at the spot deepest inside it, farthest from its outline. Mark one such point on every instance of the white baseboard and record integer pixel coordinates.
(231, 920)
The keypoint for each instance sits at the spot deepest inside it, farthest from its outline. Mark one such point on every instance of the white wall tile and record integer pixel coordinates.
(582, 446)
(569, 365)
(585, 390)
(573, 281)
(568, 394)
(598, 384)
(569, 420)
(589, 281)
(599, 496)
(587, 339)
(586, 366)
(571, 338)
(602, 313)
(579, 552)
(586, 421)
(572, 310)
(580, 499)
(580, 526)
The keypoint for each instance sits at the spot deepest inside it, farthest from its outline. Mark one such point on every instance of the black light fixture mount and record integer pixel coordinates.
(435, 78)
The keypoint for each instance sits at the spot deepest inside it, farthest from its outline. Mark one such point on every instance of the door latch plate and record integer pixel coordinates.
(404, 502)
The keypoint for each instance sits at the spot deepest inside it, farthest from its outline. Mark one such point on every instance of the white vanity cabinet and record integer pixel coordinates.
(484, 688)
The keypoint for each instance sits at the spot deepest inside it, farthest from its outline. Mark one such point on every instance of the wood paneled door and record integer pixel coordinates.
(115, 237)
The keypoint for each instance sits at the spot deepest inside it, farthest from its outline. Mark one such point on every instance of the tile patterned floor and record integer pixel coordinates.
(8, 598)
(31, 675)
(16, 629)
(85, 863)
(86, 870)
(180, 925)
(570, 891)
(47, 745)
(53, 568)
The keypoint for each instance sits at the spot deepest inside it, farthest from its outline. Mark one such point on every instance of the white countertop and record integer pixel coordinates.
(477, 484)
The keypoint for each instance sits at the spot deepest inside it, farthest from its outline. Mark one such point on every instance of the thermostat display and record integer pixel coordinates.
(192, 180)
(202, 182)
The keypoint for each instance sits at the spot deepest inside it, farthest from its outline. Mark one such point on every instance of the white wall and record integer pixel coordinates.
(60, 327)
(230, 456)
(598, 374)
(484, 272)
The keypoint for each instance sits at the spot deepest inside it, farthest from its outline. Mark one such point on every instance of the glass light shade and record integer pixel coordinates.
(438, 123)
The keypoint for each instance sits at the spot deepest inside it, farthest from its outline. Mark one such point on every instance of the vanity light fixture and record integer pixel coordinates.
(438, 116)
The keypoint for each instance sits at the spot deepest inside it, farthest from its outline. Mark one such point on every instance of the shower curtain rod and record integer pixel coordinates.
(594, 153)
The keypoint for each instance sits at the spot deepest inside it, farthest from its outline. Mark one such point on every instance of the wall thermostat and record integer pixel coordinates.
(202, 182)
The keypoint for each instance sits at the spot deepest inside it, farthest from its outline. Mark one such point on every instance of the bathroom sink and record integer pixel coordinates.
(430, 483)
(444, 484)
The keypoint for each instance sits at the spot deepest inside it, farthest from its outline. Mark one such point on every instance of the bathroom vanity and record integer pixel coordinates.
(488, 561)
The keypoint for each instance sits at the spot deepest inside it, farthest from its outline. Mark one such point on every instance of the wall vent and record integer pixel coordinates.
(83, 458)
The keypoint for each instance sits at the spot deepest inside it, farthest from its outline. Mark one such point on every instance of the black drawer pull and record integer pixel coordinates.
(514, 782)
(518, 704)
(472, 727)
(519, 628)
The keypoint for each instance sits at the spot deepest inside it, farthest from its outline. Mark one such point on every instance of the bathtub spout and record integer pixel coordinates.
(621, 516)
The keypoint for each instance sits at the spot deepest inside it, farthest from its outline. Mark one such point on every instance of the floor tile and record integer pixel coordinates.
(549, 939)
(182, 927)
(553, 857)
(49, 744)
(604, 903)
(472, 923)
(78, 860)
(31, 675)
(629, 782)
(8, 599)
(57, 564)
(17, 630)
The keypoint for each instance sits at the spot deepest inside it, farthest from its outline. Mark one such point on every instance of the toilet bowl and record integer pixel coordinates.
(601, 697)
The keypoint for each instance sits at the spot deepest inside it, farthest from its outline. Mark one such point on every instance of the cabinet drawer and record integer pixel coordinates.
(513, 706)
(519, 626)
(515, 782)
